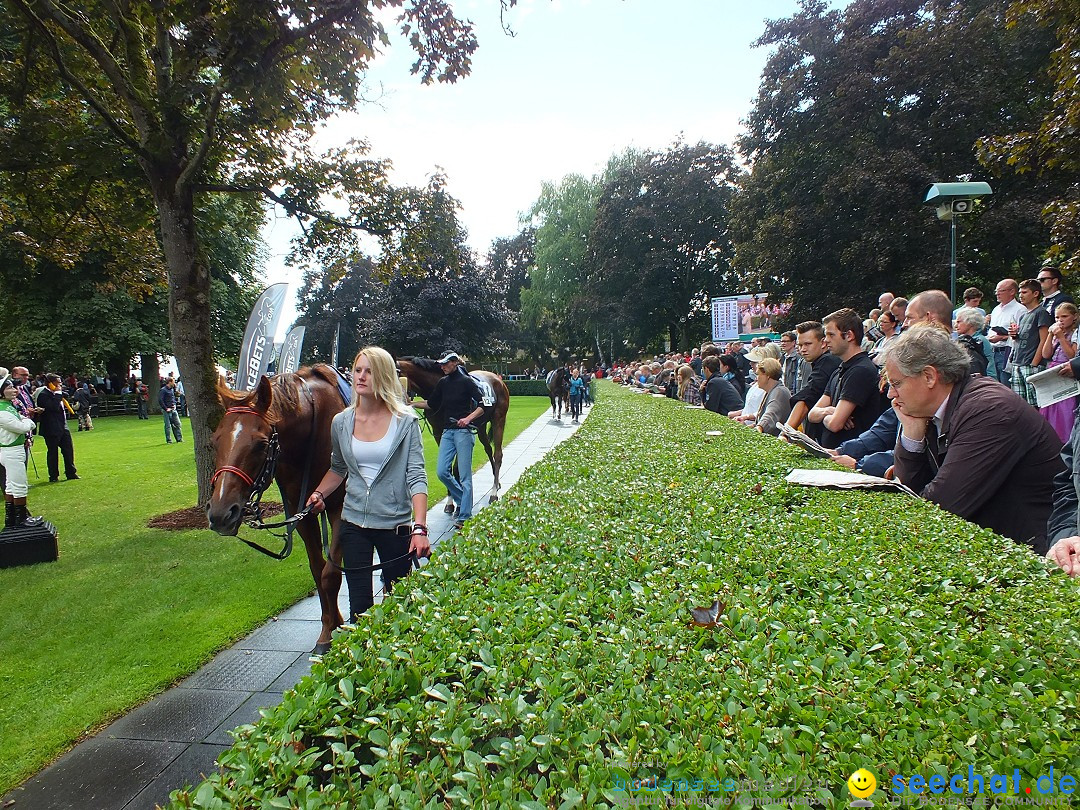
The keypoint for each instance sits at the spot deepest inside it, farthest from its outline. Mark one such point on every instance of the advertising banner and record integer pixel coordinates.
(290, 351)
(258, 342)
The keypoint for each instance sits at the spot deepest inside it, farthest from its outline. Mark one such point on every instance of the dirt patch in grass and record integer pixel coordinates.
(194, 517)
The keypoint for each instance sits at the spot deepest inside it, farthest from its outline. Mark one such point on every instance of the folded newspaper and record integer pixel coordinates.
(1051, 387)
(804, 441)
(839, 479)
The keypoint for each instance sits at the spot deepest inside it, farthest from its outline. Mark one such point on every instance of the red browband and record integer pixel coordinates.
(222, 470)
(247, 479)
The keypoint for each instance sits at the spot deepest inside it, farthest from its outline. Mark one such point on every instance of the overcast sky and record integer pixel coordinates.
(580, 80)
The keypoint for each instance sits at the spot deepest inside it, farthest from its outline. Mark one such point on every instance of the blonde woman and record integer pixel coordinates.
(775, 407)
(378, 453)
(689, 386)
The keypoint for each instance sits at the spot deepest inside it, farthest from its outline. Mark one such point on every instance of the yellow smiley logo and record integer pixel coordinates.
(862, 783)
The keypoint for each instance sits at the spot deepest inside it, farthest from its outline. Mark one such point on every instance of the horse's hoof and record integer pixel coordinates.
(321, 649)
(449, 508)
(493, 498)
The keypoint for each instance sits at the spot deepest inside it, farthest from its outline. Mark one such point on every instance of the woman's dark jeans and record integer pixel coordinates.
(357, 547)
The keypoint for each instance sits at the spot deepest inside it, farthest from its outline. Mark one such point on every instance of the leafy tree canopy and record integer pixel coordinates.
(858, 112)
(1048, 149)
(450, 303)
(217, 97)
(659, 247)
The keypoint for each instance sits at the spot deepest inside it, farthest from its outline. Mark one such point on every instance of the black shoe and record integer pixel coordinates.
(73, 477)
(459, 524)
(54, 480)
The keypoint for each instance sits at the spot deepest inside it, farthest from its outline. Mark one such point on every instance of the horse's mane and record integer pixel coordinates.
(285, 387)
(424, 363)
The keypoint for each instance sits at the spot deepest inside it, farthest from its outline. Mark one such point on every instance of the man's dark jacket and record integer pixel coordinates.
(1000, 459)
(455, 396)
(54, 421)
(720, 396)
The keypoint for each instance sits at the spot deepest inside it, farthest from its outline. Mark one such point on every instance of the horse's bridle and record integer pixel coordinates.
(251, 513)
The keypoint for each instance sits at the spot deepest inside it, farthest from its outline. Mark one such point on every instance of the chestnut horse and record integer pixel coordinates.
(293, 412)
(424, 372)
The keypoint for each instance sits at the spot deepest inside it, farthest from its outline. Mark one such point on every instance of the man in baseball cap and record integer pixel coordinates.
(455, 404)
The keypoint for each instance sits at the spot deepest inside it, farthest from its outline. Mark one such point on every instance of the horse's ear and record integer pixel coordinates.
(264, 395)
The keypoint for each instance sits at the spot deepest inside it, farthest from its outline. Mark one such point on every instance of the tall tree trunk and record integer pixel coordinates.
(189, 323)
(599, 346)
(150, 367)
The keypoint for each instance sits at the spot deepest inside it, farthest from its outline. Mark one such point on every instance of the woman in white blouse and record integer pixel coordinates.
(378, 453)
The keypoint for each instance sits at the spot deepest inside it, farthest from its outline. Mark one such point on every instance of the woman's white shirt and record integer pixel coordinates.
(370, 456)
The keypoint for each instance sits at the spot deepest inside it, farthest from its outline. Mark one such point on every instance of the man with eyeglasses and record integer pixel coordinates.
(789, 345)
(968, 444)
(1007, 312)
(1049, 279)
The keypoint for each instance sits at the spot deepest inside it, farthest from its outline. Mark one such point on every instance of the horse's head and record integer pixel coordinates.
(242, 444)
(422, 373)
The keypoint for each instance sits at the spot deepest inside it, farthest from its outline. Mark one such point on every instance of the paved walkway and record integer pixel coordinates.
(175, 739)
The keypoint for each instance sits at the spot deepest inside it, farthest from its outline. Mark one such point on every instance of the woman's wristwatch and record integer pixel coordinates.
(419, 528)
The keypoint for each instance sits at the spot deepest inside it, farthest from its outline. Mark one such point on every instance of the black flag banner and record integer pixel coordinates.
(259, 337)
(289, 360)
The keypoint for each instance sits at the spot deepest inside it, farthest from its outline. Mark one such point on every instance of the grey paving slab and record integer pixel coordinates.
(290, 677)
(101, 773)
(251, 670)
(248, 712)
(190, 768)
(286, 635)
(179, 715)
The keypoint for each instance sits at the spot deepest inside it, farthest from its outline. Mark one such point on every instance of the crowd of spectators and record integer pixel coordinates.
(936, 395)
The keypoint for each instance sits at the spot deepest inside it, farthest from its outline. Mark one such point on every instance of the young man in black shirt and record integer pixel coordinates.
(457, 399)
(852, 401)
(821, 366)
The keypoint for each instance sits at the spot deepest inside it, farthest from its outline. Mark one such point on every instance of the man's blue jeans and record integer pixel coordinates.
(172, 421)
(457, 443)
(1001, 361)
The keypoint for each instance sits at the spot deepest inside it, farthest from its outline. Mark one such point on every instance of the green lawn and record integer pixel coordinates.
(126, 610)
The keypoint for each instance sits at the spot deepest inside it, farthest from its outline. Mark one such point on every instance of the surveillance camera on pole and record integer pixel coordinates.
(952, 200)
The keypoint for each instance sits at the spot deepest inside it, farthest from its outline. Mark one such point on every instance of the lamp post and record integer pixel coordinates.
(952, 200)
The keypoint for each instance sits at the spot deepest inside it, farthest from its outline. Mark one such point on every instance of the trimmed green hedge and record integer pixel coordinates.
(546, 655)
(527, 388)
(533, 388)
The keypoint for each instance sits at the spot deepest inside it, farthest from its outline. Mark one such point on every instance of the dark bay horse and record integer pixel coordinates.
(293, 412)
(558, 383)
(424, 372)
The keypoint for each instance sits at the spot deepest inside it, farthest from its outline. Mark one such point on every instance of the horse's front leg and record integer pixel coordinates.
(327, 580)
